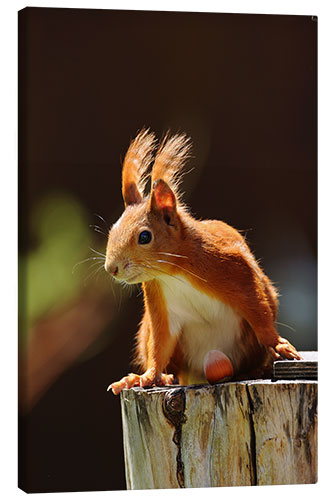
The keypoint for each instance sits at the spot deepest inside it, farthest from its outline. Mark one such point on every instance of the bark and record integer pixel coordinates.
(233, 434)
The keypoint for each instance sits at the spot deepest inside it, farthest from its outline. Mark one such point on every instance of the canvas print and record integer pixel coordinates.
(167, 249)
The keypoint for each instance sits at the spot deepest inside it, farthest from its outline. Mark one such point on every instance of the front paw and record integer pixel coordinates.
(148, 379)
(284, 350)
(127, 382)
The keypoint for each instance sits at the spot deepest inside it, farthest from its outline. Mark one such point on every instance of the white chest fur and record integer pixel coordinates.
(201, 322)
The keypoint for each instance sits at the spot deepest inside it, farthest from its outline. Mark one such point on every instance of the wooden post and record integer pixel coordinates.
(232, 434)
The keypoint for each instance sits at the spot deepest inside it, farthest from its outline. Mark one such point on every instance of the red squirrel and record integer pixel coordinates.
(209, 309)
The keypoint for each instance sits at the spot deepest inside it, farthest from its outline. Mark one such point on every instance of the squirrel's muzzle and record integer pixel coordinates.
(111, 268)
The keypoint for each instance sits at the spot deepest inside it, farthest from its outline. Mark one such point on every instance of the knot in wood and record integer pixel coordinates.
(174, 407)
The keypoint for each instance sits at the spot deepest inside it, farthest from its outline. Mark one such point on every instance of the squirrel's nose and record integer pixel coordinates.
(111, 268)
(114, 270)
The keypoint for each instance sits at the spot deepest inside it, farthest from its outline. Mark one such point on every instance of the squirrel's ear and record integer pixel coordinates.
(131, 194)
(136, 163)
(163, 200)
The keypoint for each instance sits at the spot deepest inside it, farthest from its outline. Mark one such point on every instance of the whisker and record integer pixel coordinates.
(171, 276)
(86, 260)
(149, 267)
(94, 264)
(132, 287)
(287, 326)
(120, 298)
(101, 232)
(98, 253)
(99, 274)
(98, 229)
(93, 273)
(157, 269)
(108, 276)
(160, 271)
(95, 225)
(173, 255)
(112, 287)
(106, 224)
(180, 267)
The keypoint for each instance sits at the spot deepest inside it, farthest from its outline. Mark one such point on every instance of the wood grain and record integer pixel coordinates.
(284, 418)
(233, 434)
(306, 368)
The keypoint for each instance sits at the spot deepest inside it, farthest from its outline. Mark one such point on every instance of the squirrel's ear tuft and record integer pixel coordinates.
(170, 159)
(163, 201)
(136, 163)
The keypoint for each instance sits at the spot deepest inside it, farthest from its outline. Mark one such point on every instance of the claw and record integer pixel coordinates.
(284, 350)
(148, 379)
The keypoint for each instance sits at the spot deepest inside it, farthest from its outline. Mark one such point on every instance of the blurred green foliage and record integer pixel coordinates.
(61, 227)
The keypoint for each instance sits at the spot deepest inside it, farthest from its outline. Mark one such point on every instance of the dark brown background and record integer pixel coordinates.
(245, 88)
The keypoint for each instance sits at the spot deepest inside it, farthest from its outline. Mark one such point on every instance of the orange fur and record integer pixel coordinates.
(136, 163)
(170, 160)
(209, 256)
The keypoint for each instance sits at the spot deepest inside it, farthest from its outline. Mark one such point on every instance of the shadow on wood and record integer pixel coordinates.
(233, 434)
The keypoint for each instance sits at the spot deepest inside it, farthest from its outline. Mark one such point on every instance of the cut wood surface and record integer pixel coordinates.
(232, 434)
(291, 369)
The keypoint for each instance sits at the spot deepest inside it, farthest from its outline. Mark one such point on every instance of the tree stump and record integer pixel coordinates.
(232, 434)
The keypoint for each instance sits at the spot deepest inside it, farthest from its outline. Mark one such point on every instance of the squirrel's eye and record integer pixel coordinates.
(144, 237)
